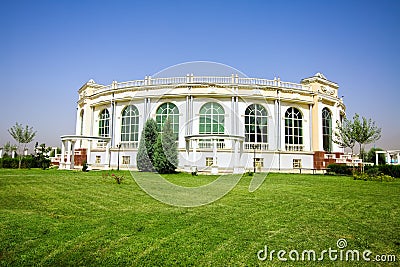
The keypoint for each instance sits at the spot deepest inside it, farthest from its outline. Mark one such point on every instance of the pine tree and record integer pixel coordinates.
(145, 153)
(166, 150)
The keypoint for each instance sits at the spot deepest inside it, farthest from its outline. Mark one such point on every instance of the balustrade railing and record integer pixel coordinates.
(209, 143)
(294, 147)
(129, 145)
(101, 144)
(258, 146)
(203, 79)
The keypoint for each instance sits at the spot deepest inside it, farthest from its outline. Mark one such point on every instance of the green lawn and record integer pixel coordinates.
(63, 218)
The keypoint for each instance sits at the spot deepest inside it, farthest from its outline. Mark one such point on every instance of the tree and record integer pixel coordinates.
(371, 156)
(166, 150)
(41, 157)
(145, 153)
(365, 131)
(23, 136)
(9, 148)
(344, 135)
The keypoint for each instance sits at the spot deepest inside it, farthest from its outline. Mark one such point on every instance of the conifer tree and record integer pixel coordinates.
(166, 150)
(145, 153)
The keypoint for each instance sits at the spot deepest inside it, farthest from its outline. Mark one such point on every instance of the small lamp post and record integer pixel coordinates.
(119, 147)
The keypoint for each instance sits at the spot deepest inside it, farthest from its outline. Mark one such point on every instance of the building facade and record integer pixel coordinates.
(222, 124)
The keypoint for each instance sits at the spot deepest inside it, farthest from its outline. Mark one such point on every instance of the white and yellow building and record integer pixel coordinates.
(225, 122)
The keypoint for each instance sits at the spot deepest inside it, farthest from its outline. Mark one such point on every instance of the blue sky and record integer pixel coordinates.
(49, 49)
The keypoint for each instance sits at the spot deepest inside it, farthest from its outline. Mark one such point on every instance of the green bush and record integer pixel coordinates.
(84, 166)
(367, 177)
(391, 170)
(9, 163)
(27, 162)
(340, 169)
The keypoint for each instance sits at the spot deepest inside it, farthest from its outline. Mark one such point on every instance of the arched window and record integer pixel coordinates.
(327, 130)
(255, 123)
(81, 118)
(130, 126)
(168, 110)
(211, 119)
(104, 123)
(293, 130)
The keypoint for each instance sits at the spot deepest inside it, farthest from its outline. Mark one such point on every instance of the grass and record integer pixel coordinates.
(58, 218)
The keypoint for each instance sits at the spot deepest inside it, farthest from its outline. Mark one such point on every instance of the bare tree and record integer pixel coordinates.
(366, 132)
(23, 136)
(344, 136)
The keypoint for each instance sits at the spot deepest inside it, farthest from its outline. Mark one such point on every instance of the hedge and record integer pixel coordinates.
(391, 170)
(26, 163)
(341, 169)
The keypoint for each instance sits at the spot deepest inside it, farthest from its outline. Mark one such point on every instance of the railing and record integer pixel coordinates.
(208, 143)
(258, 146)
(129, 145)
(211, 79)
(294, 147)
(203, 79)
(170, 80)
(257, 81)
(101, 144)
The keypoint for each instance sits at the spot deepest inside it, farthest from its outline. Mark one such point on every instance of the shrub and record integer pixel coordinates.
(367, 177)
(340, 169)
(9, 163)
(118, 179)
(392, 170)
(84, 166)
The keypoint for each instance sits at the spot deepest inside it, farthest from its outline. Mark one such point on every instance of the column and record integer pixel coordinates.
(191, 115)
(187, 116)
(107, 157)
(88, 151)
(236, 167)
(310, 127)
(194, 154)
(214, 167)
(376, 158)
(62, 162)
(68, 153)
(112, 122)
(91, 121)
(72, 154)
(1, 153)
(237, 115)
(278, 123)
(233, 116)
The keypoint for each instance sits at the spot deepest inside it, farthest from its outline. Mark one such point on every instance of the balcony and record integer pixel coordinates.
(257, 146)
(294, 147)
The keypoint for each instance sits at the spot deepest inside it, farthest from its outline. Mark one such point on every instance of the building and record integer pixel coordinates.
(223, 120)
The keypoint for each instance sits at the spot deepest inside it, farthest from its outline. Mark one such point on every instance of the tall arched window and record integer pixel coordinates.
(211, 119)
(255, 123)
(81, 118)
(130, 126)
(293, 130)
(104, 123)
(168, 110)
(327, 129)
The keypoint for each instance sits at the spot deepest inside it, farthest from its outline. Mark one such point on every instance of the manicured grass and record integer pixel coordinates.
(62, 218)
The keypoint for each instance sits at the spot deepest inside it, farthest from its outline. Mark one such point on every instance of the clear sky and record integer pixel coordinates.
(49, 49)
